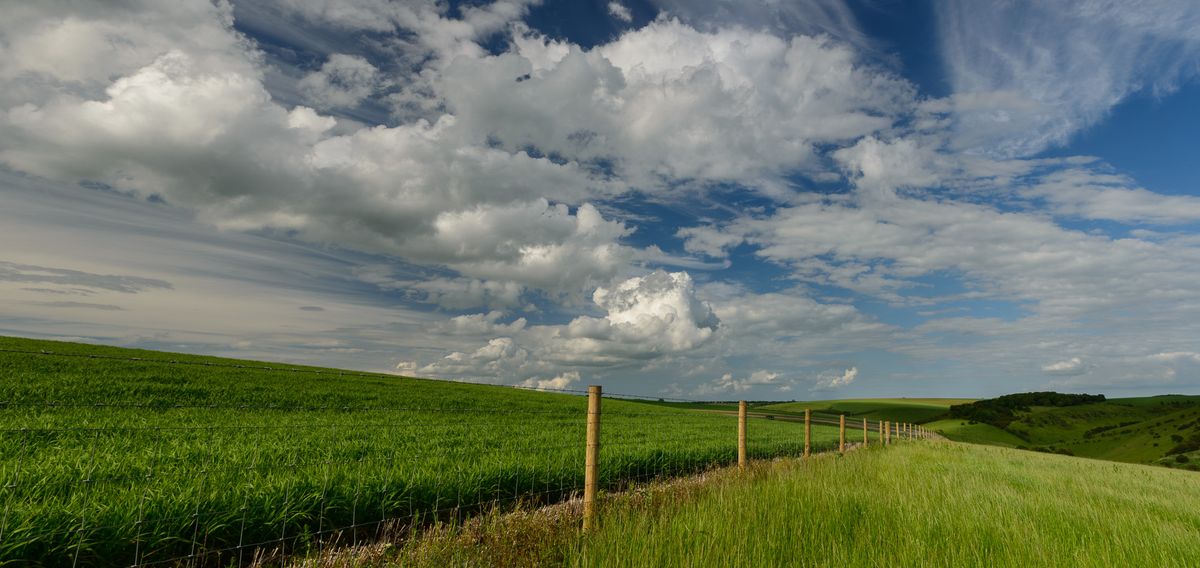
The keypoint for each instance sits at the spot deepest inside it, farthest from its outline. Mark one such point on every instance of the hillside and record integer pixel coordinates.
(1155, 429)
(915, 410)
(119, 456)
(912, 504)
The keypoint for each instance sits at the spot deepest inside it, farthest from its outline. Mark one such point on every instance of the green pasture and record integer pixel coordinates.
(1134, 430)
(914, 410)
(913, 504)
(974, 433)
(116, 462)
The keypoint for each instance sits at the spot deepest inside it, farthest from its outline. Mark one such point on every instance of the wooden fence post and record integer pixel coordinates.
(866, 430)
(842, 434)
(591, 474)
(880, 432)
(888, 432)
(742, 434)
(807, 430)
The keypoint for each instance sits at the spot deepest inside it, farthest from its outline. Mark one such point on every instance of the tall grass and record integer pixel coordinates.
(107, 462)
(918, 504)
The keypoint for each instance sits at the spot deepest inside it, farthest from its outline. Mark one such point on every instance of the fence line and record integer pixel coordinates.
(157, 493)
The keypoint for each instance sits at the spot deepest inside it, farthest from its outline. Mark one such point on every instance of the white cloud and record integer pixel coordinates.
(343, 81)
(647, 317)
(481, 324)
(1072, 366)
(830, 381)
(1176, 356)
(560, 382)
(1016, 94)
(834, 18)
(728, 384)
(883, 246)
(620, 12)
(1093, 194)
(668, 102)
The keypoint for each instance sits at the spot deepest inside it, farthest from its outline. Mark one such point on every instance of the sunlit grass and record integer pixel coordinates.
(186, 459)
(916, 504)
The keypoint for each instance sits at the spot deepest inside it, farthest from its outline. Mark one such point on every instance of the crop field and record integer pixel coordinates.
(914, 504)
(915, 410)
(172, 459)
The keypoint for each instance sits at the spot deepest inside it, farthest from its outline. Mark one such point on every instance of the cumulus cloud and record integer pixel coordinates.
(502, 179)
(669, 102)
(647, 317)
(481, 324)
(620, 12)
(560, 382)
(727, 384)
(343, 81)
(830, 381)
(1072, 366)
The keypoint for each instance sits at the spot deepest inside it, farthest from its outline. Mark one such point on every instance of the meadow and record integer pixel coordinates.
(114, 456)
(1162, 430)
(912, 504)
(914, 410)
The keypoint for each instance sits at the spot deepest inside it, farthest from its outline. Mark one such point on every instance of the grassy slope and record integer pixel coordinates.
(207, 451)
(916, 410)
(1144, 437)
(924, 504)
(963, 431)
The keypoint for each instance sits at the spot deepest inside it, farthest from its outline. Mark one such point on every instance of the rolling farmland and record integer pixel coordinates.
(115, 456)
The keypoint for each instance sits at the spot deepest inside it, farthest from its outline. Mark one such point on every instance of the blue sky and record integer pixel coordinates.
(716, 199)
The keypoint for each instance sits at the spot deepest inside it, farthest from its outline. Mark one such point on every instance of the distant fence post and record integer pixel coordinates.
(842, 433)
(591, 474)
(881, 432)
(866, 430)
(887, 432)
(741, 434)
(807, 430)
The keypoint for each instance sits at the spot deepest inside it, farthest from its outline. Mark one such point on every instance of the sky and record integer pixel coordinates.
(707, 199)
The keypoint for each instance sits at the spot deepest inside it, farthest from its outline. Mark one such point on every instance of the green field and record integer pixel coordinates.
(921, 504)
(1134, 430)
(112, 461)
(974, 433)
(914, 410)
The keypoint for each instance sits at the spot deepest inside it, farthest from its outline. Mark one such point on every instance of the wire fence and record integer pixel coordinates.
(131, 482)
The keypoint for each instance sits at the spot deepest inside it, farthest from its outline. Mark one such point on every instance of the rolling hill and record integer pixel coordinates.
(1151, 430)
(915, 410)
(113, 456)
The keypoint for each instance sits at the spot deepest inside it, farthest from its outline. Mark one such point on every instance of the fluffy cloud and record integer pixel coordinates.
(667, 102)
(565, 380)
(481, 324)
(881, 247)
(620, 12)
(727, 384)
(830, 381)
(214, 141)
(647, 317)
(1072, 366)
(1092, 194)
(343, 81)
